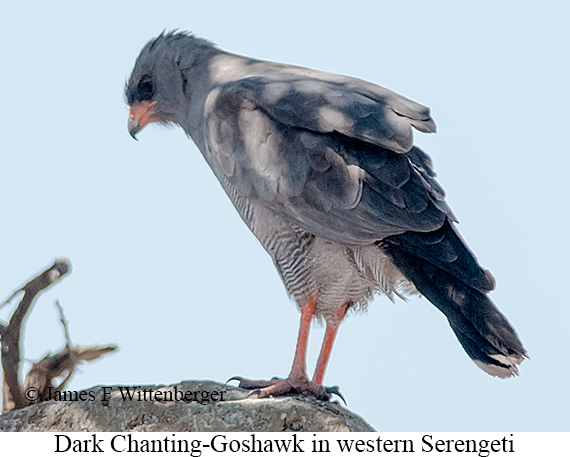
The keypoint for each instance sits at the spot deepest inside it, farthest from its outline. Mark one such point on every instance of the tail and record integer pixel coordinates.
(445, 271)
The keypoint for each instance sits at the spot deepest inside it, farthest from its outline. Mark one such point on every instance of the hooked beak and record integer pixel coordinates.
(140, 114)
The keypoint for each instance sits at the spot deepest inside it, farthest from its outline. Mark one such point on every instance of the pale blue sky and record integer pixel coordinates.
(163, 265)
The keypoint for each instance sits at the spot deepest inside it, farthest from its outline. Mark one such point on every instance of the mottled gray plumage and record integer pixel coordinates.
(323, 170)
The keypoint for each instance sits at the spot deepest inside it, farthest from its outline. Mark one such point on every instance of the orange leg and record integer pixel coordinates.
(326, 348)
(297, 381)
(299, 368)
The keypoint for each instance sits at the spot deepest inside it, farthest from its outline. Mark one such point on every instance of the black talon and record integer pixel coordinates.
(335, 390)
(254, 391)
(233, 378)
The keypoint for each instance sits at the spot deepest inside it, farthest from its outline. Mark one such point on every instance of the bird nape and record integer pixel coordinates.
(323, 170)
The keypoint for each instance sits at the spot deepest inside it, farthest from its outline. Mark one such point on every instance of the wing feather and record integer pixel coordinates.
(350, 106)
(334, 158)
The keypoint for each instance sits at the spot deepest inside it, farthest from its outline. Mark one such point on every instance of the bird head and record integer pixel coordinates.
(157, 89)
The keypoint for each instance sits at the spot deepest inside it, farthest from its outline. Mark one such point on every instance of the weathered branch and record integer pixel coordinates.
(12, 396)
(39, 380)
(71, 359)
(63, 323)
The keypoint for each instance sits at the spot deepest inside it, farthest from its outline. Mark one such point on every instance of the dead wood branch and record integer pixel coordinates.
(39, 382)
(12, 396)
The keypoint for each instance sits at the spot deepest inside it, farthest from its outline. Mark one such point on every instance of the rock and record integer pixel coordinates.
(201, 406)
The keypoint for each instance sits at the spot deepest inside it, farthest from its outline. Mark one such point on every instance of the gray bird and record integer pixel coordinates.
(323, 170)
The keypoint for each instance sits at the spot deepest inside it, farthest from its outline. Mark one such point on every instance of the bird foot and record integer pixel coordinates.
(292, 385)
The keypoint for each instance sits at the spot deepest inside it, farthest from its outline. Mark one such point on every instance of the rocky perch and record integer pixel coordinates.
(191, 406)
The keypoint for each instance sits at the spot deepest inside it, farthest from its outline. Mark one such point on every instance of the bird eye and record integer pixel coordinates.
(145, 88)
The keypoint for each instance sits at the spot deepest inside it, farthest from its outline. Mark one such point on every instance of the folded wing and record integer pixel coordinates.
(335, 158)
